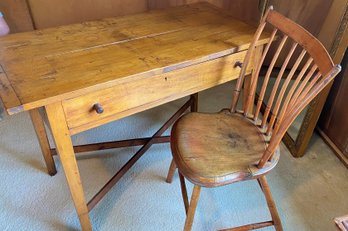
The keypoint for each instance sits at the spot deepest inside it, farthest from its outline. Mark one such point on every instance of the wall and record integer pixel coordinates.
(246, 10)
(17, 15)
(61, 12)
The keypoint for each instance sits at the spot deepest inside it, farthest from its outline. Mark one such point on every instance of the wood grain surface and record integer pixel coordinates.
(50, 65)
(63, 12)
(148, 92)
(217, 149)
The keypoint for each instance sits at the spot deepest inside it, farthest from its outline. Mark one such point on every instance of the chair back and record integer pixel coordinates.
(311, 71)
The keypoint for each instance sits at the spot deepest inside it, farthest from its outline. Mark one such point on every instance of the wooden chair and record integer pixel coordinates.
(233, 145)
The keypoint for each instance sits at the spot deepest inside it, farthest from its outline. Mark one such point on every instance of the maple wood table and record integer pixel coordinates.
(89, 74)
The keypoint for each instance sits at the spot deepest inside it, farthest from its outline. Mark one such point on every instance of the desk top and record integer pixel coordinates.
(46, 66)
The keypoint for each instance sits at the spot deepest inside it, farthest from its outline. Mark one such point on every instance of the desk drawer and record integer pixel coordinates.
(138, 95)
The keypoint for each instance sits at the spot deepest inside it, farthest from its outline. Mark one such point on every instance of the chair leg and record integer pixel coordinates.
(172, 168)
(270, 202)
(192, 208)
(171, 172)
(184, 192)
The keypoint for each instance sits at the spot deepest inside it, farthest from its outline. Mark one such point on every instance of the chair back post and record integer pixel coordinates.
(246, 61)
(289, 97)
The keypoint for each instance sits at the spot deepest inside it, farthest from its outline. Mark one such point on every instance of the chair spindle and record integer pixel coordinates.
(282, 92)
(291, 92)
(276, 85)
(268, 74)
(256, 73)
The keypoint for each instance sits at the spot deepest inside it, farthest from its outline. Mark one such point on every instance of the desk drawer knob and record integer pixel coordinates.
(98, 108)
(238, 64)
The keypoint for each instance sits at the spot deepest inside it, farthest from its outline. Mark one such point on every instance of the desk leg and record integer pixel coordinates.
(43, 141)
(66, 153)
(172, 168)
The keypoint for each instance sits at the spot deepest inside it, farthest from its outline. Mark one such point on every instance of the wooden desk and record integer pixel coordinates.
(89, 74)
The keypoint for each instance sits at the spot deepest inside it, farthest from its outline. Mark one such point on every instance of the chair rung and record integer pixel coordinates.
(250, 226)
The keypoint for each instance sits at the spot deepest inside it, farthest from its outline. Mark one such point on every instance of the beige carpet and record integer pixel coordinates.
(309, 192)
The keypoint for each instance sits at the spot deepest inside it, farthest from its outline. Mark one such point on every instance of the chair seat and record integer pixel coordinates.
(219, 148)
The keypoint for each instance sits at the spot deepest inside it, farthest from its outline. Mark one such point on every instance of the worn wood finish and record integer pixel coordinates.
(148, 92)
(107, 187)
(250, 94)
(277, 106)
(43, 141)
(320, 17)
(65, 149)
(311, 14)
(116, 144)
(270, 202)
(248, 85)
(276, 85)
(306, 92)
(26, 15)
(63, 12)
(192, 207)
(222, 148)
(317, 52)
(88, 74)
(264, 85)
(183, 191)
(213, 154)
(246, 63)
(323, 62)
(39, 14)
(7, 93)
(171, 172)
(172, 167)
(51, 58)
